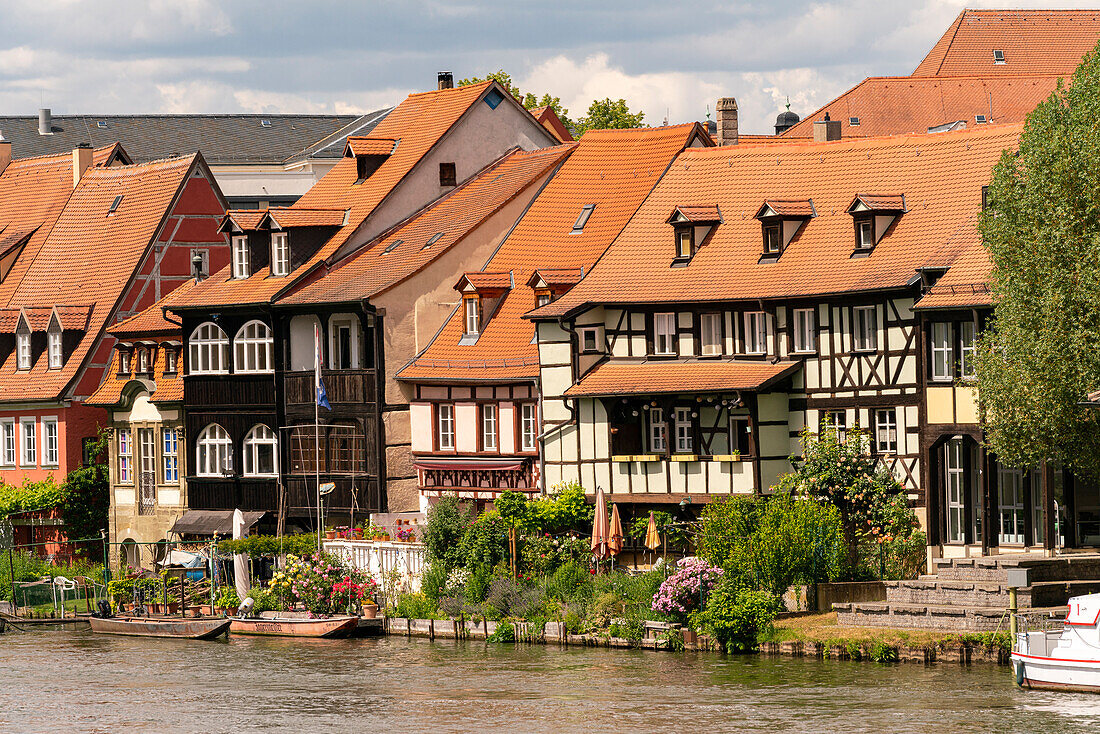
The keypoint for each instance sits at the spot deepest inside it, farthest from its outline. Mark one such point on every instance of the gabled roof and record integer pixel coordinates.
(966, 284)
(902, 105)
(614, 170)
(89, 258)
(942, 176)
(786, 208)
(550, 120)
(696, 214)
(878, 203)
(286, 217)
(369, 146)
(556, 277)
(482, 281)
(223, 139)
(1032, 41)
(404, 250)
(419, 122)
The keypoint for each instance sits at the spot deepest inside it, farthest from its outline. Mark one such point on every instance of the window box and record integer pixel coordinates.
(726, 458)
(622, 457)
(684, 457)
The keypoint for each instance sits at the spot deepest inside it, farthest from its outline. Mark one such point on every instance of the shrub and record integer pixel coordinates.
(228, 597)
(686, 590)
(737, 618)
(264, 600)
(452, 606)
(484, 542)
(566, 582)
(564, 509)
(271, 545)
(433, 582)
(541, 555)
(505, 632)
(416, 606)
(445, 527)
(530, 604)
(477, 585)
(502, 597)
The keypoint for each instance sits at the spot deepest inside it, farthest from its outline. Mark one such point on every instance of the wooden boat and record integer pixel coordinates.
(294, 627)
(188, 629)
(1066, 659)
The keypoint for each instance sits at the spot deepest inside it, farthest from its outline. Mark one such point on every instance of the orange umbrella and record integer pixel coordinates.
(615, 533)
(652, 538)
(599, 527)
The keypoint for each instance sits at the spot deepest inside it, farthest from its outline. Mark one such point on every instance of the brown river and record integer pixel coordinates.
(76, 682)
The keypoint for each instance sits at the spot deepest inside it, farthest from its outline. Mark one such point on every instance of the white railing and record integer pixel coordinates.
(379, 558)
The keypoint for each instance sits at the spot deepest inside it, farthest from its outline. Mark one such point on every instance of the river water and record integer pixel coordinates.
(79, 682)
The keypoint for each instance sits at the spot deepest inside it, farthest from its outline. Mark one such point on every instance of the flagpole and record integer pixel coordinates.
(317, 427)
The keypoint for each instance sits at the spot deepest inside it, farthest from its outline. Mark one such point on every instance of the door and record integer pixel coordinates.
(147, 477)
(956, 491)
(1010, 491)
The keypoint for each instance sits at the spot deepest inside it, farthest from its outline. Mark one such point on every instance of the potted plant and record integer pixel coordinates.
(227, 602)
(330, 535)
(406, 535)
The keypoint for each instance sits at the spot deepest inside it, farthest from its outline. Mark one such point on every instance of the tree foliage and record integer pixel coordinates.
(1041, 353)
(605, 114)
(527, 99)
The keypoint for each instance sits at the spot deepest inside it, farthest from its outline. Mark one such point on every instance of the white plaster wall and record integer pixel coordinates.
(466, 427)
(301, 343)
(506, 422)
(420, 416)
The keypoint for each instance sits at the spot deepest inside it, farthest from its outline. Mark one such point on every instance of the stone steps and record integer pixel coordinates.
(994, 568)
(926, 616)
(984, 593)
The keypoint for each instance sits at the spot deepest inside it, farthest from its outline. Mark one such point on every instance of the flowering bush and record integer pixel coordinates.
(686, 590)
(543, 554)
(323, 585)
(406, 535)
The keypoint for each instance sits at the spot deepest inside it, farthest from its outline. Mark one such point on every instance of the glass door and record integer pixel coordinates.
(147, 478)
(956, 491)
(1010, 491)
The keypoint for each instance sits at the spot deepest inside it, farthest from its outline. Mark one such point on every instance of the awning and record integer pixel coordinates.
(209, 522)
(665, 377)
(470, 464)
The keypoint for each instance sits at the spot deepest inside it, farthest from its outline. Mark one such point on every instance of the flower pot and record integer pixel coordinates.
(330, 535)
(205, 610)
(172, 608)
(231, 611)
(370, 611)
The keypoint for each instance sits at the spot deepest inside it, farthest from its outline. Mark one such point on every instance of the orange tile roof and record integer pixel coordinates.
(88, 259)
(902, 105)
(404, 250)
(419, 122)
(966, 284)
(550, 120)
(881, 202)
(1033, 42)
(556, 277)
(243, 219)
(152, 321)
(283, 217)
(168, 387)
(71, 318)
(942, 176)
(369, 146)
(788, 207)
(699, 213)
(634, 377)
(486, 281)
(614, 170)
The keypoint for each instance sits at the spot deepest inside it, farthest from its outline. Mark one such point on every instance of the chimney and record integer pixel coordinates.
(82, 158)
(45, 121)
(446, 80)
(5, 152)
(826, 130)
(726, 111)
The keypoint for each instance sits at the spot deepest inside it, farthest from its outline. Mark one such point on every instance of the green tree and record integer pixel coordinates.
(87, 500)
(1041, 353)
(528, 99)
(443, 533)
(605, 114)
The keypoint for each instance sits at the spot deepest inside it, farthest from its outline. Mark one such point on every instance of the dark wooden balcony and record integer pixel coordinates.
(341, 386)
(507, 473)
(230, 493)
(229, 390)
(359, 493)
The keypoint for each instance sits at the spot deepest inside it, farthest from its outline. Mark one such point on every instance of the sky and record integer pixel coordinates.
(666, 59)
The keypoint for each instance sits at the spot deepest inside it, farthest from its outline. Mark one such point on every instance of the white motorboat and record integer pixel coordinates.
(1067, 659)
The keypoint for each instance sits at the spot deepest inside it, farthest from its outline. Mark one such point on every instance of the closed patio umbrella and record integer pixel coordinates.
(615, 532)
(652, 537)
(599, 527)
(241, 576)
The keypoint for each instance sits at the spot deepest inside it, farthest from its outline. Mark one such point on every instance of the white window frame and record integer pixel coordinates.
(838, 421)
(51, 454)
(143, 360)
(773, 239)
(28, 442)
(866, 229)
(472, 309)
(529, 426)
(170, 458)
(864, 329)
(967, 348)
(54, 349)
(658, 431)
(593, 333)
(125, 442)
(803, 323)
(942, 350)
(710, 334)
(886, 431)
(23, 351)
(685, 443)
(755, 332)
(684, 244)
(260, 436)
(664, 333)
(208, 350)
(445, 427)
(9, 451)
(253, 349)
(242, 258)
(334, 352)
(170, 357)
(213, 452)
(124, 358)
(280, 254)
(955, 490)
(488, 426)
(541, 299)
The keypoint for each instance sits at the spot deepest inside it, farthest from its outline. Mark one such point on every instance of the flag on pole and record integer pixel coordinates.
(322, 396)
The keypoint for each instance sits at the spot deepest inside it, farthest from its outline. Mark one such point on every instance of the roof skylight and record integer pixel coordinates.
(434, 238)
(998, 56)
(979, 119)
(853, 121)
(265, 123)
(102, 124)
(114, 204)
(582, 218)
(392, 246)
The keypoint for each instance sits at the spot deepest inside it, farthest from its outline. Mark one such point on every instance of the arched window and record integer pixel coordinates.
(259, 452)
(253, 347)
(214, 455)
(209, 350)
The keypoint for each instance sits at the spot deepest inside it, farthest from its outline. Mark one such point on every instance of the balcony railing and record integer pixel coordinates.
(341, 386)
(382, 558)
(463, 475)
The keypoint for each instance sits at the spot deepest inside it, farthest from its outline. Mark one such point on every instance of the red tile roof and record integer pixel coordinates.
(244, 220)
(152, 321)
(404, 250)
(966, 284)
(38, 318)
(613, 170)
(369, 146)
(168, 388)
(787, 208)
(482, 281)
(641, 377)
(88, 260)
(942, 176)
(284, 217)
(556, 277)
(902, 105)
(699, 214)
(1033, 42)
(880, 202)
(550, 120)
(419, 122)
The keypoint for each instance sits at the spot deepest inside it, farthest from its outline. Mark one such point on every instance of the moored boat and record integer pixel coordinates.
(294, 627)
(1067, 659)
(188, 629)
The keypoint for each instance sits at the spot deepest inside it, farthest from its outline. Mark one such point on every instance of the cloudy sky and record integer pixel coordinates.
(665, 58)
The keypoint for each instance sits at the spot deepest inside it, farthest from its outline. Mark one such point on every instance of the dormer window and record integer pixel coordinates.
(169, 361)
(684, 247)
(542, 298)
(242, 260)
(369, 154)
(482, 293)
(998, 56)
(780, 221)
(23, 350)
(143, 361)
(123, 362)
(691, 226)
(872, 216)
(54, 349)
(472, 309)
(280, 254)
